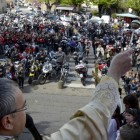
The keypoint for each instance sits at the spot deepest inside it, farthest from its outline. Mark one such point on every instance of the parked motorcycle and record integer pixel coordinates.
(64, 72)
(81, 70)
(32, 74)
(46, 73)
(102, 66)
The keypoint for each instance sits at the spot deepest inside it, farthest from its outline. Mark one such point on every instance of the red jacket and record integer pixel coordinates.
(2, 40)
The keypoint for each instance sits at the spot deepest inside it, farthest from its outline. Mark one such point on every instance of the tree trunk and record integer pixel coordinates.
(100, 9)
(77, 7)
(138, 13)
(48, 6)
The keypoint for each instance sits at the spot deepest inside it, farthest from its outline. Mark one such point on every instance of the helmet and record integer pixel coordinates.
(47, 59)
(66, 66)
(75, 53)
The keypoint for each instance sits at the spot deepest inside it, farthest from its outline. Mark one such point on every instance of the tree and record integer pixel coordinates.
(105, 6)
(122, 5)
(50, 3)
(75, 3)
(135, 5)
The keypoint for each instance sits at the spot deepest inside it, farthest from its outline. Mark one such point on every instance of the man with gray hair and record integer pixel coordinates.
(12, 110)
(90, 122)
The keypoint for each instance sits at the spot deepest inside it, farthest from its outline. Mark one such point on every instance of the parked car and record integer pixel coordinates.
(106, 18)
(65, 18)
(95, 19)
(30, 8)
(75, 15)
(26, 4)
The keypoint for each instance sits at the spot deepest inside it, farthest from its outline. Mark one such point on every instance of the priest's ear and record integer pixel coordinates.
(6, 123)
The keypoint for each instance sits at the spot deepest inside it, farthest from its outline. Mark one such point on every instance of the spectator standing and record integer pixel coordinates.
(21, 76)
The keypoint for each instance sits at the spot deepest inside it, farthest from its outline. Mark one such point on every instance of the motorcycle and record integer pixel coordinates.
(16, 65)
(81, 70)
(77, 56)
(46, 73)
(32, 74)
(64, 72)
(102, 66)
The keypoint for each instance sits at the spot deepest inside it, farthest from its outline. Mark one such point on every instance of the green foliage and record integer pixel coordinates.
(122, 5)
(87, 2)
(95, 13)
(104, 2)
(49, 1)
(134, 4)
(66, 2)
(77, 2)
(114, 15)
(72, 2)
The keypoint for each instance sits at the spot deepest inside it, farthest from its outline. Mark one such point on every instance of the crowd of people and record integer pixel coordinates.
(93, 121)
(126, 122)
(30, 39)
(31, 42)
(131, 82)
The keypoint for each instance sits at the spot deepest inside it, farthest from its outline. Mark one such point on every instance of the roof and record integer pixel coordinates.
(127, 15)
(64, 8)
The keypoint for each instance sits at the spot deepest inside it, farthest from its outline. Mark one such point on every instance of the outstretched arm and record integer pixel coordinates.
(91, 121)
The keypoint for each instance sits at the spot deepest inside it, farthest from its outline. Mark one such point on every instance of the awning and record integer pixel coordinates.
(127, 15)
(65, 8)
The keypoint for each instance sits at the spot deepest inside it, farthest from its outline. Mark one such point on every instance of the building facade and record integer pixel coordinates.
(3, 6)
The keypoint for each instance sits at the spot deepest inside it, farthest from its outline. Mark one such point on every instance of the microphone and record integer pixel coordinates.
(31, 126)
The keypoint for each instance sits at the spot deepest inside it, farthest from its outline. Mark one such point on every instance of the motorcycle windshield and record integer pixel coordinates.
(47, 67)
